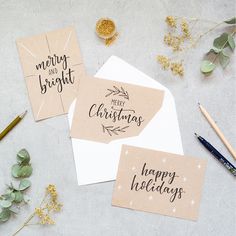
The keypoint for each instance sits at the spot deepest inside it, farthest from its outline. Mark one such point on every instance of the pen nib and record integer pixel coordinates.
(196, 135)
(23, 114)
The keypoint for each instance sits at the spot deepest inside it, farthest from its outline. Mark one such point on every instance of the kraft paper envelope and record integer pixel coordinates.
(52, 67)
(159, 182)
(98, 162)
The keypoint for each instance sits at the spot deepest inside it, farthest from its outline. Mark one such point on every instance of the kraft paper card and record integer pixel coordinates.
(52, 67)
(159, 182)
(109, 110)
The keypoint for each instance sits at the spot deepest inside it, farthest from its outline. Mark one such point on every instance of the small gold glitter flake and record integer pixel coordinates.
(106, 30)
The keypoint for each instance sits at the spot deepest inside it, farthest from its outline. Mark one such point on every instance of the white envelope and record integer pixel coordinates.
(98, 162)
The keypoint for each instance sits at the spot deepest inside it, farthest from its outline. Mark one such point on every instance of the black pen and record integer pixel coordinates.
(217, 155)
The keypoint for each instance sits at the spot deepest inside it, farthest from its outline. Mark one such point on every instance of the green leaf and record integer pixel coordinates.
(231, 42)
(18, 197)
(9, 196)
(9, 190)
(23, 157)
(26, 198)
(221, 42)
(15, 170)
(21, 171)
(5, 203)
(25, 171)
(5, 215)
(231, 21)
(24, 184)
(214, 50)
(223, 59)
(207, 66)
(14, 209)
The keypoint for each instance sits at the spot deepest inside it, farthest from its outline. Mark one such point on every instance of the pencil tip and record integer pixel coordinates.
(198, 103)
(23, 114)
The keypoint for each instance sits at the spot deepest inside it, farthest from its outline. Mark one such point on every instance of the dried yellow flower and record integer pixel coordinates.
(39, 212)
(46, 220)
(177, 68)
(185, 28)
(173, 41)
(48, 205)
(171, 21)
(163, 61)
(51, 188)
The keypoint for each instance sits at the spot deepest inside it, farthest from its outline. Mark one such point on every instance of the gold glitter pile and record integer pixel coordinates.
(106, 30)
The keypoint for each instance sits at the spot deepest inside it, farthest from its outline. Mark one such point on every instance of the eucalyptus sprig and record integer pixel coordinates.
(220, 50)
(23, 167)
(181, 39)
(14, 196)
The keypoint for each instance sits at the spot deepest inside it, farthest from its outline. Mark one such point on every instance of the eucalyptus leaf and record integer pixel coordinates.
(231, 21)
(5, 215)
(223, 59)
(207, 66)
(221, 42)
(15, 170)
(18, 197)
(9, 190)
(24, 184)
(23, 157)
(14, 209)
(9, 196)
(5, 203)
(231, 42)
(12, 197)
(26, 198)
(25, 171)
(214, 50)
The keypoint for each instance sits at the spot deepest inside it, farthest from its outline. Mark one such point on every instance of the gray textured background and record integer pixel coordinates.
(87, 210)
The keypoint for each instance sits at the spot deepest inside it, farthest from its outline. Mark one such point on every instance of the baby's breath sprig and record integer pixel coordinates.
(44, 211)
(180, 40)
(175, 67)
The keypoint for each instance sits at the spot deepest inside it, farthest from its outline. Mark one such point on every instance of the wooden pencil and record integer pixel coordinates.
(217, 130)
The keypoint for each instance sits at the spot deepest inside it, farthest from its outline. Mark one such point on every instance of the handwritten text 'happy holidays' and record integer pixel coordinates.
(158, 181)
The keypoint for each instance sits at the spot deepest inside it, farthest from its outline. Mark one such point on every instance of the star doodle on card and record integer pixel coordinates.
(192, 202)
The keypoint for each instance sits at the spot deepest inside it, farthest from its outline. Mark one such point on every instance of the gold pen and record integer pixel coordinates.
(12, 125)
